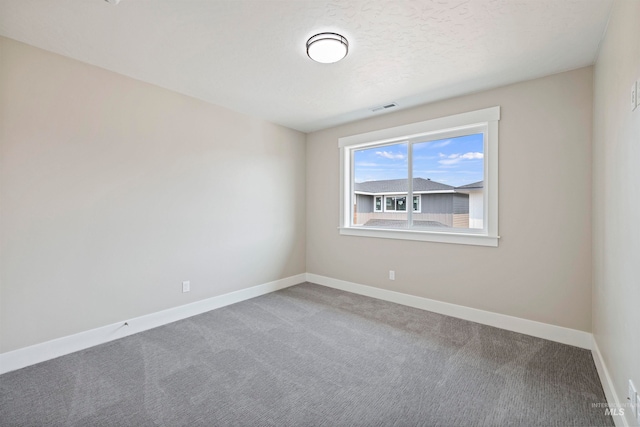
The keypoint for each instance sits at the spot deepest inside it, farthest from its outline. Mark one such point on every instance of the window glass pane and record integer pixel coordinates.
(448, 174)
(416, 203)
(391, 203)
(380, 176)
(401, 203)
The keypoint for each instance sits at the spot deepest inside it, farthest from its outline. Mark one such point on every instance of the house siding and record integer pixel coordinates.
(460, 204)
(436, 204)
(451, 210)
(364, 203)
(476, 210)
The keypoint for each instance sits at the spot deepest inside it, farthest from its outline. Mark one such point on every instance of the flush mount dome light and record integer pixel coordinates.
(327, 47)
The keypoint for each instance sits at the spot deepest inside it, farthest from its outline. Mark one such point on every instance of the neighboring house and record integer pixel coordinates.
(476, 203)
(439, 204)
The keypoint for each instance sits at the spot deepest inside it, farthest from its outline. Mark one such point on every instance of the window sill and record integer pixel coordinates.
(424, 236)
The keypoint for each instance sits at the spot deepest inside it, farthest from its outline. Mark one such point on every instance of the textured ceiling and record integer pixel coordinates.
(249, 55)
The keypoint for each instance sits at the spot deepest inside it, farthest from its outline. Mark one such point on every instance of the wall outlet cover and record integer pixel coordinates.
(637, 90)
(186, 286)
(634, 96)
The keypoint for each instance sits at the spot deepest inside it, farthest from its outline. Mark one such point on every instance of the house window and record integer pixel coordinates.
(399, 203)
(378, 204)
(447, 167)
(395, 203)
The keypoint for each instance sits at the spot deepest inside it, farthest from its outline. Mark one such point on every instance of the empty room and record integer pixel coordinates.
(319, 213)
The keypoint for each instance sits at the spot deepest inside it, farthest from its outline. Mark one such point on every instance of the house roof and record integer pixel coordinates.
(400, 185)
(479, 184)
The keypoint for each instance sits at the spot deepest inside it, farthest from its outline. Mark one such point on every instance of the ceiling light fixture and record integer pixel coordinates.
(327, 48)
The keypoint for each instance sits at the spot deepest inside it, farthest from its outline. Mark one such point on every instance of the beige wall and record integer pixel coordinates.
(616, 201)
(113, 191)
(542, 267)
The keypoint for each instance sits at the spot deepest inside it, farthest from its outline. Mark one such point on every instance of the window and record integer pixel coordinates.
(447, 167)
(399, 203)
(396, 203)
(378, 205)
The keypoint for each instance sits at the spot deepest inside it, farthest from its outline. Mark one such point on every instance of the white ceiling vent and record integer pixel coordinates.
(384, 107)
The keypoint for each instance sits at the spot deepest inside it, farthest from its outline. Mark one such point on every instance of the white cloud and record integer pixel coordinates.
(441, 143)
(475, 155)
(430, 145)
(390, 155)
(453, 159)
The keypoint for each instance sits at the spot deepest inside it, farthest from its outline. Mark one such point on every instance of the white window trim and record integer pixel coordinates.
(381, 204)
(419, 196)
(395, 204)
(439, 128)
(384, 204)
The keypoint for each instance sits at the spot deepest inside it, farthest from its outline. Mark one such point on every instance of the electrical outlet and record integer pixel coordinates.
(392, 275)
(637, 93)
(186, 286)
(634, 96)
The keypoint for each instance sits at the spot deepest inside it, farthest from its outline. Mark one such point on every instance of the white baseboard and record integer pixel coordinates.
(48, 350)
(528, 327)
(23, 357)
(31, 355)
(607, 385)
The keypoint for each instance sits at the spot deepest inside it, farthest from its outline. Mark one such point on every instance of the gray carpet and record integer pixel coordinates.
(311, 356)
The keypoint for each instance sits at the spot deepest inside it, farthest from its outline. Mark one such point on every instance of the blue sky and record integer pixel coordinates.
(452, 161)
